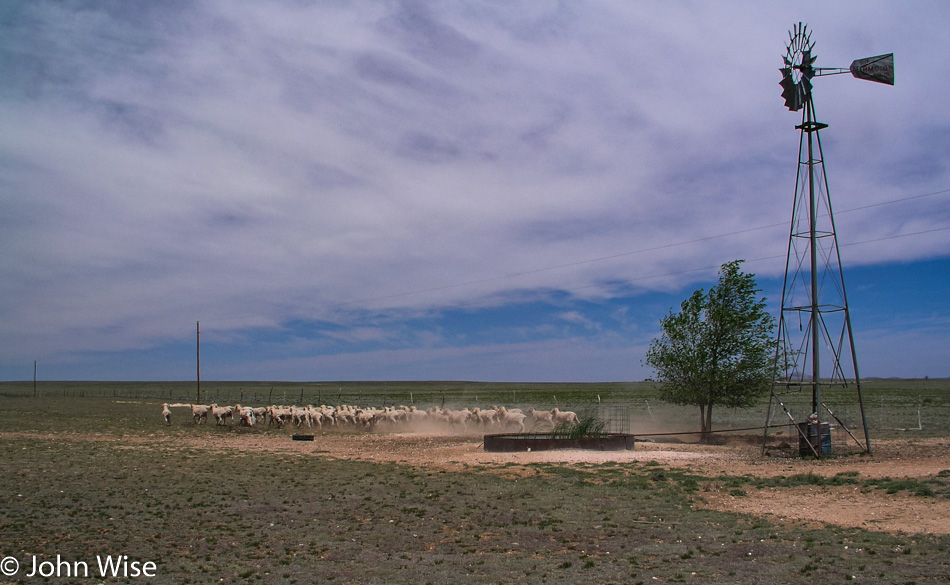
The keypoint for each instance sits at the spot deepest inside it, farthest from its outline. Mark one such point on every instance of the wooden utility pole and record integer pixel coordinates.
(198, 360)
(34, 378)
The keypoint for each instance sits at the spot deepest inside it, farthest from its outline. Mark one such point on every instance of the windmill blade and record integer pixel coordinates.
(791, 91)
(879, 69)
(807, 61)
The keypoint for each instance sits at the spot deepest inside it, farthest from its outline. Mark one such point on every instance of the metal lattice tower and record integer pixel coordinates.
(815, 340)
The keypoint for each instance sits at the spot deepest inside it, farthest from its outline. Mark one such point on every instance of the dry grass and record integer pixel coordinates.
(247, 506)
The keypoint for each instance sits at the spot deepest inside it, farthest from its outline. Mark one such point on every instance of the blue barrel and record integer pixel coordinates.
(817, 437)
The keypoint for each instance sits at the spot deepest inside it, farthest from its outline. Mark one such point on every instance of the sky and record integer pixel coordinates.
(493, 191)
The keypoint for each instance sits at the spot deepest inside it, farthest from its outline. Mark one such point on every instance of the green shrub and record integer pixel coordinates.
(585, 428)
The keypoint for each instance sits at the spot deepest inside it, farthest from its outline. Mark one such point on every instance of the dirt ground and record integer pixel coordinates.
(842, 505)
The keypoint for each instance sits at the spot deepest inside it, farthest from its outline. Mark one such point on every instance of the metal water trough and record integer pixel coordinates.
(514, 443)
(301, 437)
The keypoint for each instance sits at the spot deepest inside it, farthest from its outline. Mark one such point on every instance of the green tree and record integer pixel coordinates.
(719, 349)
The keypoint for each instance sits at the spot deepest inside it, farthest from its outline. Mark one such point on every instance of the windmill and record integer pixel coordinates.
(815, 340)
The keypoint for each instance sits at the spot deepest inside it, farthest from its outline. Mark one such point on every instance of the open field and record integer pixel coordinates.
(89, 473)
(893, 406)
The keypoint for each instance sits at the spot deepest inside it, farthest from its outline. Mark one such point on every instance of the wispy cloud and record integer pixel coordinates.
(376, 167)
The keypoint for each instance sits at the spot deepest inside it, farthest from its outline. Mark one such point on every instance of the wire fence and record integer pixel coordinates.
(616, 418)
(889, 409)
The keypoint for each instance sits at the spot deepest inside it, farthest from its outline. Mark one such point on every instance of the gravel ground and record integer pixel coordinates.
(841, 505)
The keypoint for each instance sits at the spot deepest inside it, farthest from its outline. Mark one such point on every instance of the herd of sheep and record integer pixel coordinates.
(401, 418)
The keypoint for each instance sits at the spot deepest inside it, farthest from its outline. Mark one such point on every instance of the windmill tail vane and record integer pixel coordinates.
(879, 69)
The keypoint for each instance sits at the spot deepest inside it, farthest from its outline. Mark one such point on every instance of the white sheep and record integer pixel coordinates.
(414, 416)
(389, 417)
(246, 414)
(278, 415)
(323, 414)
(484, 418)
(510, 419)
(458, 418)
(300, 416)
(541, 416)
(437, 416)
(222, 415)
(386, 417)
(366, 417)
(167, 414)
(260, 412)
(565, 416)
(345, 416)
(200, 412)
